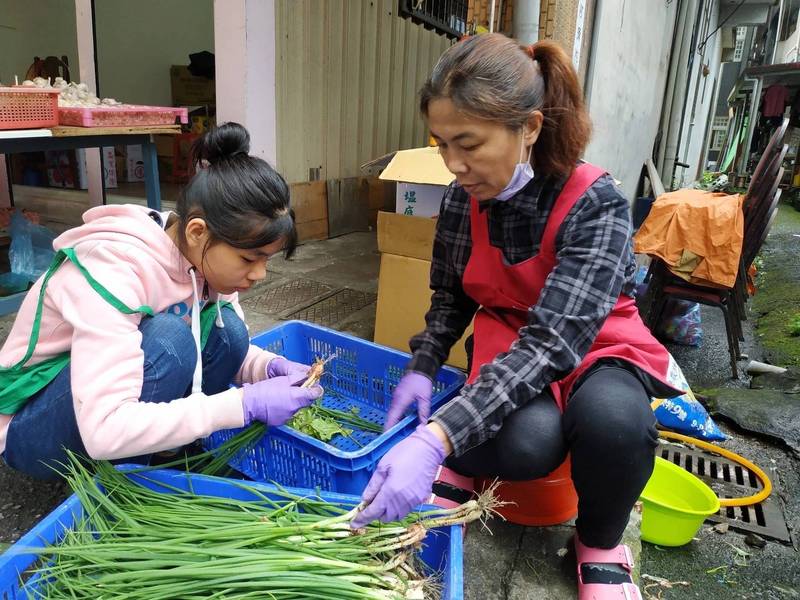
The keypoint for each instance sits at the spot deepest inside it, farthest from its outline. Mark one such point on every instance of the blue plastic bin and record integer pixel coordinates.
(363, 374)
(442, 549)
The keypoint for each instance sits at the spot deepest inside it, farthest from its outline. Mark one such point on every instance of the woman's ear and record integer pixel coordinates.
(533, 127)
(196, 233)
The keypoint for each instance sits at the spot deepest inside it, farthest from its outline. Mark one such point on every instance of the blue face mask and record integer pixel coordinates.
(523, 173)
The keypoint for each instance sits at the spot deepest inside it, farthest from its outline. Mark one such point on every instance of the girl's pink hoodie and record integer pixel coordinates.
(131, 255)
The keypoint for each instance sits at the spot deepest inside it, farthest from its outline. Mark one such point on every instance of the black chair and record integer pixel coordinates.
(731, 301)
(759, 210)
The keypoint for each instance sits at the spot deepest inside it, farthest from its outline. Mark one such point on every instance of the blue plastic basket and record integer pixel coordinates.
(362, 374)
(442, 548)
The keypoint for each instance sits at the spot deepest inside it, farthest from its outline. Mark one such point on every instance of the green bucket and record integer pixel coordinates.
(675, 504)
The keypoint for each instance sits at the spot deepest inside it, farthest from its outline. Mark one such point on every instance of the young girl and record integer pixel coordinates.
(128, 344)
(536, 246)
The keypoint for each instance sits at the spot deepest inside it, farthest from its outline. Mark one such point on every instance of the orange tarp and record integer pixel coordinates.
(697, 234)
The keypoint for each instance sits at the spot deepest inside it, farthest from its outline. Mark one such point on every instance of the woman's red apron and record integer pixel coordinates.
(505, 293)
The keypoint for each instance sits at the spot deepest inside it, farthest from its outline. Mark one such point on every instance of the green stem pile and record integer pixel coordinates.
(136, 543)
(323, 423)
(215, 461)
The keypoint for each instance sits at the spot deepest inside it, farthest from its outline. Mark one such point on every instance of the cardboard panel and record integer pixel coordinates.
(310, 201)
(406, 236)
(313, 230)
(403, 299)
(418, 165)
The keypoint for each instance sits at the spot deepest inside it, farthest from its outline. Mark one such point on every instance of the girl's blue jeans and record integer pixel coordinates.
(41, 431)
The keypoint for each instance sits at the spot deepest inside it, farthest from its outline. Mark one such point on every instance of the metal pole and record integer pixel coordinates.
(491, 18)
(781, 15)
(526, 21)
(751, 125)
(688, 22)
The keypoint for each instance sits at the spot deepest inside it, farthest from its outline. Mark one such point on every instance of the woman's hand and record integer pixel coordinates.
(413, 388)
(404, 478)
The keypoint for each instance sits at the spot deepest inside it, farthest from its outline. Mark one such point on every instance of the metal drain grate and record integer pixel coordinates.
(730, 480)
(335, 308)
(288, 297)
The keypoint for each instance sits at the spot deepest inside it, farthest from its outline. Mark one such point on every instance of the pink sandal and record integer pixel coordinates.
(621, 555)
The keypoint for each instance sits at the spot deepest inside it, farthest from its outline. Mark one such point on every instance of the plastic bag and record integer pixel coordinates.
(681, 323)
(31, 250)
(684, 413)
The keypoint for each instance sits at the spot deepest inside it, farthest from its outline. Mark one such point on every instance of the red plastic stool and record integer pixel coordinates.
(549, 500)
(456, 488)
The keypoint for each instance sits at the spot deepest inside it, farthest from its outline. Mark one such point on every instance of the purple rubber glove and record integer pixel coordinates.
(413, 387)
(274, 401)
(280, 366)
(403, 480)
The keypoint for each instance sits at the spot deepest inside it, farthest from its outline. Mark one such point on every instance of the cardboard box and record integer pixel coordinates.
(134, 164)
(406, 245)
(165, 164)
(201, 124)
(418, 199)
(67, 172)
(164, 144)
(188, 90)
(422, 177)
(119, 163)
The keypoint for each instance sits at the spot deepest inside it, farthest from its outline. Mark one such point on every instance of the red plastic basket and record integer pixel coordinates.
(28, 108)
(129, 115)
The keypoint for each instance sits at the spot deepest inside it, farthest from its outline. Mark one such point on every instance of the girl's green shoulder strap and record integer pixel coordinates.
(98, 287)
(58, 259)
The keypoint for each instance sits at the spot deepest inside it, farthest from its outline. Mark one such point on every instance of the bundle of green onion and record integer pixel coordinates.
(136, 543)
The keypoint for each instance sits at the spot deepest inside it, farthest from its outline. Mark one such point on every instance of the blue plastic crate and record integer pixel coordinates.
(442, 548)
(362, 374)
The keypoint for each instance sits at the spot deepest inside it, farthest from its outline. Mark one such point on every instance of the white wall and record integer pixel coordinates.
(698, 105)
(245, 59)
(347, 79)
(138, 41)
(625, 83)
(40, 28)
(787, 50)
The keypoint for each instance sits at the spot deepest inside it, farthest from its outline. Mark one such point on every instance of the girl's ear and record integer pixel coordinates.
(196, 232)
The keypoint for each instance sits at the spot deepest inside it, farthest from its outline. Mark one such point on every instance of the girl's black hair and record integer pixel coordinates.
(243, 200)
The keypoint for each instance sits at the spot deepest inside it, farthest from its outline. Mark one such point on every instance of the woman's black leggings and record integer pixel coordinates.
(609, 430)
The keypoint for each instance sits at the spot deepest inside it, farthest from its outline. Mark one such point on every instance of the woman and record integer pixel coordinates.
(536, 246)
(111, 355)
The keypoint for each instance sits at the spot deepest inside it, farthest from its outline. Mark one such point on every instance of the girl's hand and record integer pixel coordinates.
(274, 401)
(279, 367)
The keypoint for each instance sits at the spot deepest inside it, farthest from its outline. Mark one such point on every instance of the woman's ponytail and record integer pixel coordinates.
(567, 127)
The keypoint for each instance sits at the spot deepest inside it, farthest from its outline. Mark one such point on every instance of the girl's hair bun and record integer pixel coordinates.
(222, 143)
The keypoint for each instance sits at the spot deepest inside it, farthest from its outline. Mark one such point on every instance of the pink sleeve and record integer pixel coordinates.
(107, 368)
(254, 367)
